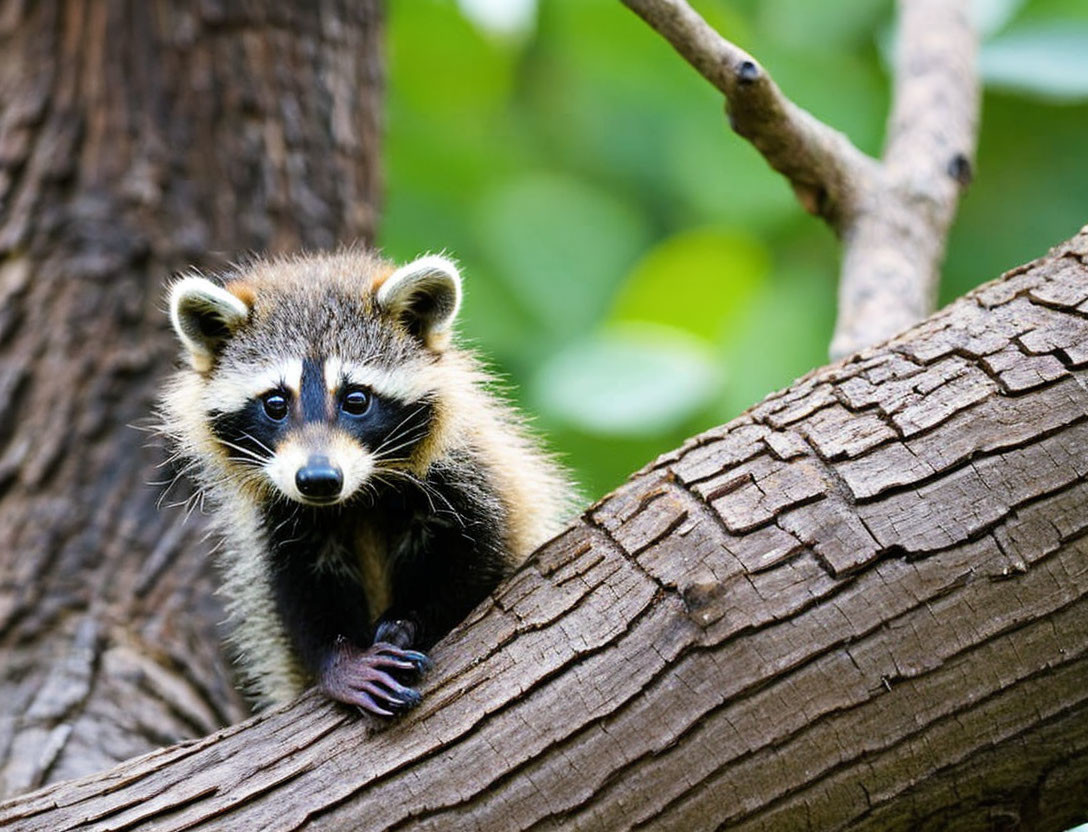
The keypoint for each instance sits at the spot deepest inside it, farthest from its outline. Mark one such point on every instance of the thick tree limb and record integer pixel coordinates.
(893, 215)
(863, 605)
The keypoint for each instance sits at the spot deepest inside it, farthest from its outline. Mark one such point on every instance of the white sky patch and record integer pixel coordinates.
(501, 17)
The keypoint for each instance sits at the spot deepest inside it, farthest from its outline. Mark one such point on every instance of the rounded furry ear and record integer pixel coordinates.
(425, 294)
(204, 315)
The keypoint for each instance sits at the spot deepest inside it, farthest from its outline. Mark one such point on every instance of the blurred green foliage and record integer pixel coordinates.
(635, 270)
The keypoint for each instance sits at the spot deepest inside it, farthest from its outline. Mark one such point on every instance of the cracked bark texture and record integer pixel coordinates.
(135, 138)
(861, 605)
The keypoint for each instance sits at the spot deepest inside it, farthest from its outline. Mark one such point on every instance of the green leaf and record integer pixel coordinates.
(442, 65)
(715, 174)
(629, 381)
(562, 244)
(784, 334)
(990, 16)
(1047, 60)
(835, 26)
(700, 281)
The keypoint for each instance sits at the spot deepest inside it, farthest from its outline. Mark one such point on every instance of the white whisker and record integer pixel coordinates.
(249, 452)
(395, 434)
(425, 487)
(259, 443)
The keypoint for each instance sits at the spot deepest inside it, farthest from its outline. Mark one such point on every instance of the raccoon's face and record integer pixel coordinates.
(319, 393)
(319, 428)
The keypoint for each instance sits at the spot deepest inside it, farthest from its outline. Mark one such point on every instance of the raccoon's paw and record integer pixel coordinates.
(400, 632)
(364, 678)
(394, 636)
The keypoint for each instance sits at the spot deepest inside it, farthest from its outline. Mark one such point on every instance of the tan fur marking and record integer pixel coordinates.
(355, 463)
(373, 572)
(380, 276)
(243, 291)
(333, 373)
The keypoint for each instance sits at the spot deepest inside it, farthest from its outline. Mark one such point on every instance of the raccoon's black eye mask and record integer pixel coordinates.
(354, 402)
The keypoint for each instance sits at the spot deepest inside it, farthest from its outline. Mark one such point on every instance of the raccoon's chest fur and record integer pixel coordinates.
(372, 567)
(369, 545)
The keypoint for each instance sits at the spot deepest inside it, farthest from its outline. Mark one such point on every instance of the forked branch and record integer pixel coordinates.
(892, 214)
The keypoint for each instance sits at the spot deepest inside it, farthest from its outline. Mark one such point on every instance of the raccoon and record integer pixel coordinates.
(369, 486)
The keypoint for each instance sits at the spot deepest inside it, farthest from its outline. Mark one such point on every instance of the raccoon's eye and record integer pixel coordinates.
(275, 406)
(356, 403)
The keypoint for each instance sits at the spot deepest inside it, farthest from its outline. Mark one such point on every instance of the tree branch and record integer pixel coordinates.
(863, 604)
(892, 215)
(894, 246)
(823, 166)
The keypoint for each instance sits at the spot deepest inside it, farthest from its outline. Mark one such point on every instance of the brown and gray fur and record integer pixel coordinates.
(443, 492)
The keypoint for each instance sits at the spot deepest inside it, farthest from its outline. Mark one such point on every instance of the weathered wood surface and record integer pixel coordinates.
(136, 139)
(861, 605)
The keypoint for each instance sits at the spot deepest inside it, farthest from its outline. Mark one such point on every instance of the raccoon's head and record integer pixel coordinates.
(316, 377)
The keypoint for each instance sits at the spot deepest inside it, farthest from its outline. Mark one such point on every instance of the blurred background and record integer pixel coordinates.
(635, 271)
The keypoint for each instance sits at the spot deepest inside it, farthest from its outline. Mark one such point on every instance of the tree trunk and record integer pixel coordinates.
(862, 605)
(136, 138)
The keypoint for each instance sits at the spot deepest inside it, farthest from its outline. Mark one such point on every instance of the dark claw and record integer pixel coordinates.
(400, 701)
(412, 697)
(367, 703)
(405, 697)
(358, 677)
(417, 661)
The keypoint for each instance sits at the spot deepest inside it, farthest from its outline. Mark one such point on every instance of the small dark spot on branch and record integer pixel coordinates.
(698, 598)
(959, 168)
(747, 72)
(731, 118)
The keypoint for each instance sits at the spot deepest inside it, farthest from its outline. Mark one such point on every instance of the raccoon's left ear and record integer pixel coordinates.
(204, 315)
(425, 294)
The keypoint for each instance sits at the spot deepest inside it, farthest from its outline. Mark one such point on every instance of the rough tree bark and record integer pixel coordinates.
(135, 138)
(861, 605)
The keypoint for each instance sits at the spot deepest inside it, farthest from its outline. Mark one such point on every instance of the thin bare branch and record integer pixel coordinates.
(893, 215)
(823, 166)
(895, 246)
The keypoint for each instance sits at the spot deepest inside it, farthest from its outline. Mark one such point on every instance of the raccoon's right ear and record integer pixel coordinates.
(425, 295)
(204, 315)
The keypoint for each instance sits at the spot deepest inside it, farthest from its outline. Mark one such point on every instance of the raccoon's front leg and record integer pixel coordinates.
(325, 615)
(367, 677)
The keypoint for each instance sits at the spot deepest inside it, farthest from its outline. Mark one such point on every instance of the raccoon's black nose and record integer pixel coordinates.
(319, 479)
